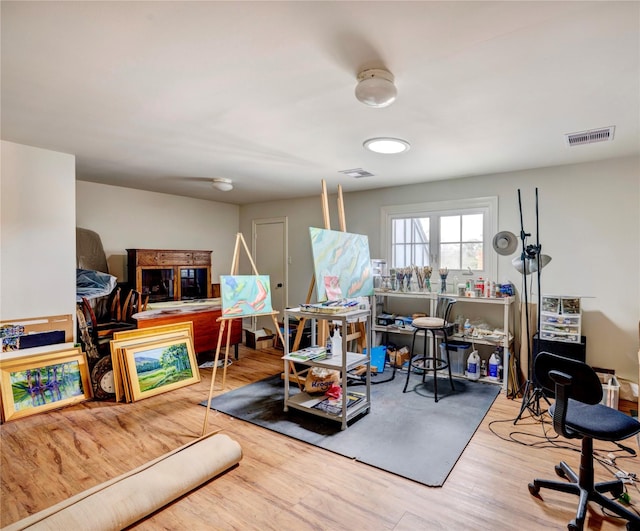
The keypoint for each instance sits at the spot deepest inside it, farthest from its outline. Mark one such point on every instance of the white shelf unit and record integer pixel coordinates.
(504, 341)
(346, 362)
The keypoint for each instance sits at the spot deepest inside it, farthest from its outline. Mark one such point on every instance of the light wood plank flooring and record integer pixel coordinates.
(282, 483)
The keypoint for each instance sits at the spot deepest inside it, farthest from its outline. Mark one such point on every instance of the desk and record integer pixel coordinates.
(205, 323)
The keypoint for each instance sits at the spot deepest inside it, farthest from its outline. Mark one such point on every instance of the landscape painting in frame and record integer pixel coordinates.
(139, 336)
(344, 258)
(42, 382)
(244, 295)
(162, 366)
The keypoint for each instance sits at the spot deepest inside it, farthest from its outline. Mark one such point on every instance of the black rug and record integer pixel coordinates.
(404, 433)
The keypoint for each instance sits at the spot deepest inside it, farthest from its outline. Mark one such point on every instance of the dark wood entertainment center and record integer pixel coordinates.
(183, 276)
(165, 275)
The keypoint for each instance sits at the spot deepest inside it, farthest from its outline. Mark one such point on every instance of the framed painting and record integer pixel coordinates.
(342, 264)
(161, 366)
(245, 295)
(151, 331)
(42, 382)
(140, 336)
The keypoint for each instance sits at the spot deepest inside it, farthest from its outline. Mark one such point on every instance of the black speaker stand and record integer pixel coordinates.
(531, 400)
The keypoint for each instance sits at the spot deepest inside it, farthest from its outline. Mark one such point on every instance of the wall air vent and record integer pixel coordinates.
(603, 134)
(357, 173)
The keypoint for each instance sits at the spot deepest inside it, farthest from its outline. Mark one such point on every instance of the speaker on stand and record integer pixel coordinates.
(574, 351)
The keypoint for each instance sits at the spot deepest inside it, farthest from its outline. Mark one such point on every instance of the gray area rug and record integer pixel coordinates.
(407, 434)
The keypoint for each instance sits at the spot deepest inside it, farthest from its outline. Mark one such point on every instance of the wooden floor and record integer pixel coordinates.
(282, 483)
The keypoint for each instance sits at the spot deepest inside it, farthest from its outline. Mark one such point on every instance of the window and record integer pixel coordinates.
(452, 234)
(461, 241)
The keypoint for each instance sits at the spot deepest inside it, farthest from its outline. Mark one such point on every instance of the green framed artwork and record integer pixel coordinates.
(245, 295)
(160, 366)
(42, 382)
(135, 337)
(342, 264)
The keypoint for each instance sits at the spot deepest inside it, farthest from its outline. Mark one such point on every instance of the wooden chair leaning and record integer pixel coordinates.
(102, 332)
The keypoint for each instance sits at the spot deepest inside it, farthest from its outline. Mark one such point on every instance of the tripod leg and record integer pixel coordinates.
(525, 401)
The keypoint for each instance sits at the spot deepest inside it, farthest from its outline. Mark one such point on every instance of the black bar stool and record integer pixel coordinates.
(438, 327)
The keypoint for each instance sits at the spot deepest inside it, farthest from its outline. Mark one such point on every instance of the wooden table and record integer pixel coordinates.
(205, 324)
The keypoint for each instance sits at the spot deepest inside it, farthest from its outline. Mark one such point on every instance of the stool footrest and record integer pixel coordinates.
(419, 363)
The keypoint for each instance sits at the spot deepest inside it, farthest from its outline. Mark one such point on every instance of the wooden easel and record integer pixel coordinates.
(357, 331)
(223, 321)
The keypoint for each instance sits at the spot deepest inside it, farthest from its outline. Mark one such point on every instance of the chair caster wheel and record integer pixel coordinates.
(573, 526)
(560, 472)
(535, 491)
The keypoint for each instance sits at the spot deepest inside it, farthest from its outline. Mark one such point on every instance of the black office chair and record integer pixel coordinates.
(438, 326)
(578, 414)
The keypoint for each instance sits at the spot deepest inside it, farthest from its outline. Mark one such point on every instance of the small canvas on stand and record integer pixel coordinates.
(242, 296)
(245, 295)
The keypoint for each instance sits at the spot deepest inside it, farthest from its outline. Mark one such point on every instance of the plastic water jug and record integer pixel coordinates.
(473, 366)
(494, 364)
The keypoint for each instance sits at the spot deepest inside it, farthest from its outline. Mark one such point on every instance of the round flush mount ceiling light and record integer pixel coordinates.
(222, 184)
(387, 146)
(375, 88)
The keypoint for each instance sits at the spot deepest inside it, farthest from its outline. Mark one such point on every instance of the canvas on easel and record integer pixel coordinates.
(245, 295)
(342, 258)
(242, 296)
(333, 279)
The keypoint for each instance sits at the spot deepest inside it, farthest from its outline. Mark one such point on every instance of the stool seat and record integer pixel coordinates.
(428, 322)
(437, 326)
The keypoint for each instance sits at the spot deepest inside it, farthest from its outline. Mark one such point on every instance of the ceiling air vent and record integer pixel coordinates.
(604, 134)
(357, 173)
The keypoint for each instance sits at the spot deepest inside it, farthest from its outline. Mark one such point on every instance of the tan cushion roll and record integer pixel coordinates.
(126, 499)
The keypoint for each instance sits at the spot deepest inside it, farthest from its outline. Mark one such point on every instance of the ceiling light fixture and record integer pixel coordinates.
(222, 184)
(387, 146)
(375, 88)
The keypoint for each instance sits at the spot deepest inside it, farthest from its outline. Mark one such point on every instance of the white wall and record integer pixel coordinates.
(37, 232)
(589, 225)
(134, 219)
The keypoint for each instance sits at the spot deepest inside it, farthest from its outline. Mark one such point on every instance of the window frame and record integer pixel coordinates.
(487, 205)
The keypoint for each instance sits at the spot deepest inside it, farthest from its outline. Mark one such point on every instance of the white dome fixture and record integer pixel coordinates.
(375, 88)
(387, 145)
(530, 264)
(222, 184)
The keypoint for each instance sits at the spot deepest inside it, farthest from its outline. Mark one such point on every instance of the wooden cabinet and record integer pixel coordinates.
(166, 275)
(205, 326)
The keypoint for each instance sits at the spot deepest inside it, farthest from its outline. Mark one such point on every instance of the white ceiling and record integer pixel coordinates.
(162, 96)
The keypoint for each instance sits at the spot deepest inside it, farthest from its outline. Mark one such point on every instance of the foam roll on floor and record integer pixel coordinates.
(127, 499)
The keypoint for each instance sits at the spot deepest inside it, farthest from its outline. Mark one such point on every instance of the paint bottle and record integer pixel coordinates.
(336, 342)
(473, 366)
(328, 347)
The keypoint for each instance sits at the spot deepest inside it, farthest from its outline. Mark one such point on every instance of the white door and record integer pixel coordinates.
(270, 256)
